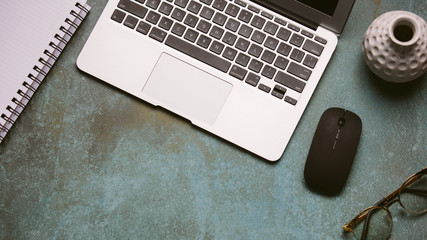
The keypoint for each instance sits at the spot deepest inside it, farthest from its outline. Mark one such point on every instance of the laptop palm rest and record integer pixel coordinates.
(186, 90)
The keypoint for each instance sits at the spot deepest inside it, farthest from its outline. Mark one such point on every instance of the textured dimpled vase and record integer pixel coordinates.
(395, 46)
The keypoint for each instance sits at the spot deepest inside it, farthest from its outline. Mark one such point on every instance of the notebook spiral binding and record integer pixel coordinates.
(61, 39)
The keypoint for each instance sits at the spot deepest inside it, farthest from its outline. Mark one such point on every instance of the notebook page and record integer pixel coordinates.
(27, 27)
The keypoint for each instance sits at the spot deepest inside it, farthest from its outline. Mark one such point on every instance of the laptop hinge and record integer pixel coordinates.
(288, 14)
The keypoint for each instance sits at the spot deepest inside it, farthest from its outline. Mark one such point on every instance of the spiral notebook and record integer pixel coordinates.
(34, 33)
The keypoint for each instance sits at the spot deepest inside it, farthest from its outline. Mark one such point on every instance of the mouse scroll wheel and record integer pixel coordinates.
(341, 122)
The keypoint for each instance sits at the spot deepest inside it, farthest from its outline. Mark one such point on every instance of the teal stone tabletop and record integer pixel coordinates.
(87, 161)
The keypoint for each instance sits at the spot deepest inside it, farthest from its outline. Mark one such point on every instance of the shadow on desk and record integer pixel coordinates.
(395, 91)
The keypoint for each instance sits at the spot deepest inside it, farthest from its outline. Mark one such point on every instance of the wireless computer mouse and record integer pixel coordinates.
(332, 151)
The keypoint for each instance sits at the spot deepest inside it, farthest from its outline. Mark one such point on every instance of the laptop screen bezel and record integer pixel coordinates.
(305, 13)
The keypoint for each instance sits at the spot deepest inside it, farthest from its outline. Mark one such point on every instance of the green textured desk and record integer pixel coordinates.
(86, 161)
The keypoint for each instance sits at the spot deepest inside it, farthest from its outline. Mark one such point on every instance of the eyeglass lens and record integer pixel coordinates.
(378, 223)
(414, 197)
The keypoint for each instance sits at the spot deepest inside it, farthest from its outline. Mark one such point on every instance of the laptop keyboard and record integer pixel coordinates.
(231, 36)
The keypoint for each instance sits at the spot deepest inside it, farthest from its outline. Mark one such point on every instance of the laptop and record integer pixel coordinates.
(242, 70)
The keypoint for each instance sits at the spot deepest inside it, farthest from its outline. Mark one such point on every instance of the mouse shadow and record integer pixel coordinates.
(395, 91)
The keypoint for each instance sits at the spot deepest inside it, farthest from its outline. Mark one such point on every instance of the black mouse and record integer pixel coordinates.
(332, 151)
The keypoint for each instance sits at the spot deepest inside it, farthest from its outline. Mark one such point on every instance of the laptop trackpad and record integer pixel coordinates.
(187, 90)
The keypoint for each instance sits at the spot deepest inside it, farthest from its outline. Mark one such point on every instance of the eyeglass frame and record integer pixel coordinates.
(385, 203)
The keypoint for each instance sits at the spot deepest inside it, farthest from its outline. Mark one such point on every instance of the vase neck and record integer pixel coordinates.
(404, 31)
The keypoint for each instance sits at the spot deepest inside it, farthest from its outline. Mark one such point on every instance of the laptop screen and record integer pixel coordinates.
(327, 7)
(331, 14)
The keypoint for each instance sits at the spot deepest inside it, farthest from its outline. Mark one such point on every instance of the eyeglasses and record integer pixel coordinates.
(376, 222)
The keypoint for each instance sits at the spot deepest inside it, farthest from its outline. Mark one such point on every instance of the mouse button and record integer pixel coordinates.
(352, 129)
(333, 113)
(341, 122)
(328, 121)
(353, 119)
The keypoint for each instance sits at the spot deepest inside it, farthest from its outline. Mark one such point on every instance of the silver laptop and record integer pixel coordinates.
(242, 70)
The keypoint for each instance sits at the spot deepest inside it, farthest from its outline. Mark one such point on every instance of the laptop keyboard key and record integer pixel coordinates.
(258, 22)
(191, 20)
(229, 53)
(289, 81)
(242, 59)
(281, 62)
(280, 21)
(165, 23)
(232, 25)
(296, 40)
(307, 34)
(219, 19)
(178, 29)
(165, 8)
(194, 7)
(293, 27)
(321, 40)
(216, 32)
(271, 28)
(207, 13)
(255, 50)
(198, 53)
(245, 16)
(297, 55)
(241, 3)
(219, 4)
(313, 47)
(258, 37)
(204, 26)
(242, 44)
(264, 88)
(133, 8)
(268, 56)
(278, 91)
(229, 38)
(191, 35)
(268, 72)
(216, 47)
(245, 30)
(143, 27)
(178, 14)
(181, 3)
(157, 34)
(284, 34)
(232, 10)
(310, 61)
(153, 17)
(118, 16)
(153, 3)
(207, 2)
(284, 49)
(204, 41)
(299, 71)
(130, 21)
(252, 79)
(255, 65)
(238, 72)
(290, 100)
(271, 43)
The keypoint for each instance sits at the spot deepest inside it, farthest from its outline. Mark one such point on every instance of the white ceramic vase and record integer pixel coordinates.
(395, 46)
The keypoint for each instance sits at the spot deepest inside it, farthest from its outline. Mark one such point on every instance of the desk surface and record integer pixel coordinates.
(86, 161)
